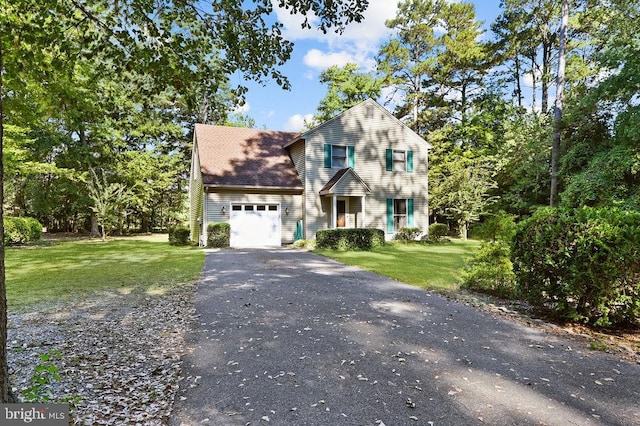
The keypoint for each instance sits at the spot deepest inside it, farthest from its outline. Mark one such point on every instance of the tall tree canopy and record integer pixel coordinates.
(113, 84)
(347, 86)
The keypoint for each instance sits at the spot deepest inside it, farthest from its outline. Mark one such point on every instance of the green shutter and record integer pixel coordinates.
(410, 161)
(410, 212)
(351, 156)
(389, 160)
(389, 215)
(327, 156)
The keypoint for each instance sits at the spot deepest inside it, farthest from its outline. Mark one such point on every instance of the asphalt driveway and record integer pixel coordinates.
(286, 337)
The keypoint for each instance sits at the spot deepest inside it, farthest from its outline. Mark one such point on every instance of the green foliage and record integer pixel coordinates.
(179, 235)
(408, 234)
(344, 239)
(438, 231)
(218, 235)
(108, 200)
(462, 192)
(21, 230)
(498, 226)
(584, 264)
(491, 271)
(347, 87)
(45, 374)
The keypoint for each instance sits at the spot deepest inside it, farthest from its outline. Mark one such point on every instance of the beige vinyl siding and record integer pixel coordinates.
(195, 196)
(371, 136)
(296, 151)
(216, 200)
(348, 186)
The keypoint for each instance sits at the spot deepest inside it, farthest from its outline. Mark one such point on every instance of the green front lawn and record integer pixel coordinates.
(64, 270)
(430, 266)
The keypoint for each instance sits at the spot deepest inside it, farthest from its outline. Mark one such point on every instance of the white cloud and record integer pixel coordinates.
(321, 60)
(297, 122)
(357, 44)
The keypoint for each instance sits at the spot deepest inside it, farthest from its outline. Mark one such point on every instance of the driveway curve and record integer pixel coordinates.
(287, 337)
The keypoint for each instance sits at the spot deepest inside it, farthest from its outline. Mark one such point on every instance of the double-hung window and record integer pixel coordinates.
(339, 156)
(399, 160)
(399, 214)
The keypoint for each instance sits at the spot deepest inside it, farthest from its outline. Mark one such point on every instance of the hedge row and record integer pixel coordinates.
(218, 235)
(21, 230)
(349, 238)
(583, 263)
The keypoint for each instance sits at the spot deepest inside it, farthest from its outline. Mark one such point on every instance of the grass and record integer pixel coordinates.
(65, 270)
(430, 266)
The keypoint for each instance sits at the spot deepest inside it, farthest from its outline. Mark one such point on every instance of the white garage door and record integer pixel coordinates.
(255, 225)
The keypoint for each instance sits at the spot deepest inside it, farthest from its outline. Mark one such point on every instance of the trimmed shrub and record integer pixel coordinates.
(438, 231)
(344, 239)
(179, 235)
(408, 234)
(584, 264)
(218, 235)
(490, 270)
(21, 230)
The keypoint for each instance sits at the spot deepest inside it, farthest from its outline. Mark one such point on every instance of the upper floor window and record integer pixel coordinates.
(399, 160)
(339, 156)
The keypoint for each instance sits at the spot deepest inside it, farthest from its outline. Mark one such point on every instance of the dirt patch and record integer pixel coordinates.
(119, 357)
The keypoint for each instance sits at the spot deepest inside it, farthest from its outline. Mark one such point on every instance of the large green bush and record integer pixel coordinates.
(437, 231)
(582, 263)
(179, 235)
(218, 235)
(21, 230)
(490, 270)
(349, 238)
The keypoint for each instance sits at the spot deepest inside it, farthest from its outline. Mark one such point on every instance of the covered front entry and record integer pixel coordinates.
(345, 200)
(255, 225)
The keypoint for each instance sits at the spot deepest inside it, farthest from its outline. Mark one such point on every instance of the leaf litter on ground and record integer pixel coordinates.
(120, 356)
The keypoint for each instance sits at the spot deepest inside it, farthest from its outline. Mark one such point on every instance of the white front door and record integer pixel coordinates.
(255, 225)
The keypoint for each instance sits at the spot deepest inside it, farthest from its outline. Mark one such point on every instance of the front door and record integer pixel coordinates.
(341, 218)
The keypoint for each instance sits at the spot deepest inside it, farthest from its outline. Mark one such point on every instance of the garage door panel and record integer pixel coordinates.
(255, 226)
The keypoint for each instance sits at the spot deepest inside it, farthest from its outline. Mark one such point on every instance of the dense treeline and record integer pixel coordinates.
(485, 101)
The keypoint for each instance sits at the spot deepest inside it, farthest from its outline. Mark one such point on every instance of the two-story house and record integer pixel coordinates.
(362, 168)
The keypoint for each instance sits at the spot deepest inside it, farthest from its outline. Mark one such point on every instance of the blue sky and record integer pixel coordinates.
(276, 109)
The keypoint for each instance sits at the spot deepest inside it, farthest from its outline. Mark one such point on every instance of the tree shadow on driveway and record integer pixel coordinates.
(287, 337)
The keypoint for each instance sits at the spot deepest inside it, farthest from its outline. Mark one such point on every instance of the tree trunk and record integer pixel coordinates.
(517, 78)
(4, 370)
(534, 80)
(546, 59)
(95, 229)
(557, 116)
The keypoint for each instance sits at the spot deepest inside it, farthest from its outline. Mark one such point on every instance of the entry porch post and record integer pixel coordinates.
(362, 204)
(334, 211)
